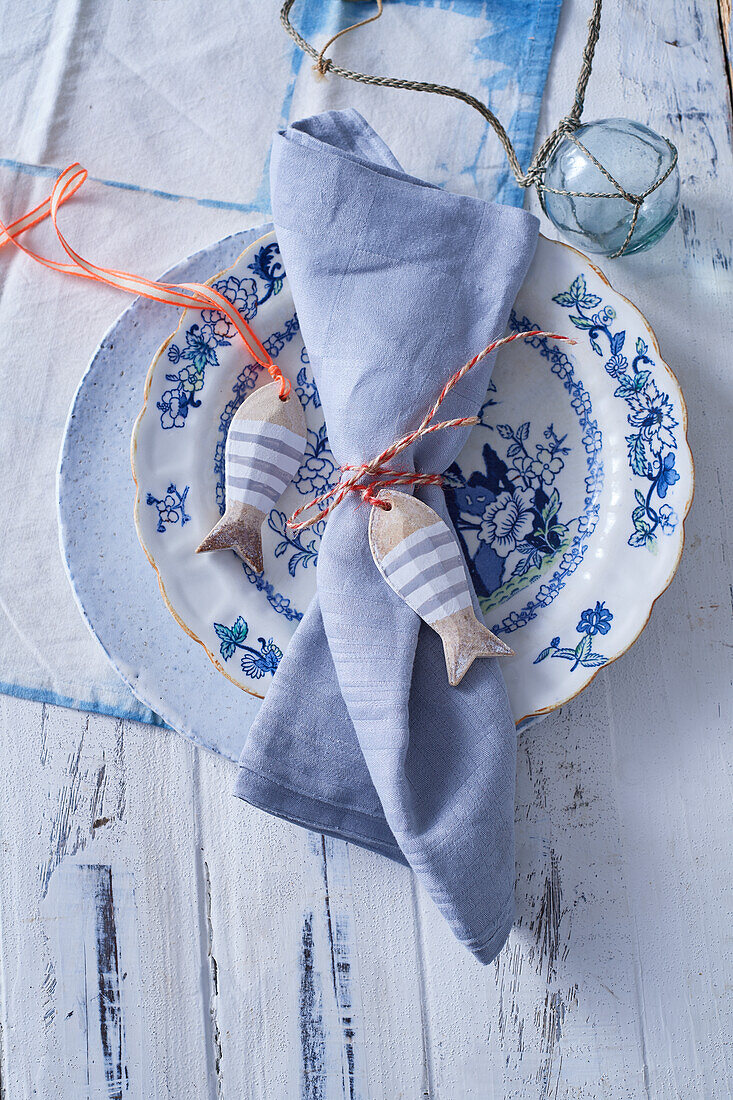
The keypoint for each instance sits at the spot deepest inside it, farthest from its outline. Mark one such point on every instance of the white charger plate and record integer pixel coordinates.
(569, 497)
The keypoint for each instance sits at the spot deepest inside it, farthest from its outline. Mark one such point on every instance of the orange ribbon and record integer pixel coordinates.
(186, 295)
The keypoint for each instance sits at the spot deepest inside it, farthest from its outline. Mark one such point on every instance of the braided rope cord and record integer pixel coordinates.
(535, 174)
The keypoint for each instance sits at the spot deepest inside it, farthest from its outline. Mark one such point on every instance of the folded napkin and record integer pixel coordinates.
(396, 283)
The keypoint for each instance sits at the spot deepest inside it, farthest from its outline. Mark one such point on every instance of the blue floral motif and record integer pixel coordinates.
(651, 413)
(280, 603)
(269, 269)
(242, 293)
(231, 637)
(173, 407)
(256, 662)
(668, 518)
(259, 664)
(509, 519)
(306, 387)
(594, 621)
(201, 341)
(318, 470)
(305, 552)
(200, 349)
(667, 475)
(276, 341)
(171, 507)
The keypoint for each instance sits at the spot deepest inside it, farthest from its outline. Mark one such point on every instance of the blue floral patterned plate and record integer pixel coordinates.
(568, 499)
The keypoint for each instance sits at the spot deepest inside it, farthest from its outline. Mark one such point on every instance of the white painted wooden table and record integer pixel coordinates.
(160, 939)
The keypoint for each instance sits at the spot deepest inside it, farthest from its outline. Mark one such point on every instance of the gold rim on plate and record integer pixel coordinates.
(533, 714)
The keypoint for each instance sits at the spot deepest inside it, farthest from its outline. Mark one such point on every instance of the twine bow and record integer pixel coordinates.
(369, 478)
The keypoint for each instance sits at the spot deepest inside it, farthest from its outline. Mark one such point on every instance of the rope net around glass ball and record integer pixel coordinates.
(566, 129)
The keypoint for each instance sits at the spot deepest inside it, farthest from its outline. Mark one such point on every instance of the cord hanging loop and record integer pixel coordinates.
(566, 127)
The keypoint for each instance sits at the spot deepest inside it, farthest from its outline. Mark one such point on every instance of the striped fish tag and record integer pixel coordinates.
(264, 450)
(420, 559)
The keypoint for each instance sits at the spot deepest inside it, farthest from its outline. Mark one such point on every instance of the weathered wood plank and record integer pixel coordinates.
(668, 713)
(611, 983)
(377, 899)
(303, 930)
(87, 911)
(99, 911)
(555, 1015)
(233, 955)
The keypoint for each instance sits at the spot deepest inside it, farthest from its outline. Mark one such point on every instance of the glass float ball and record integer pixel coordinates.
(636, 157)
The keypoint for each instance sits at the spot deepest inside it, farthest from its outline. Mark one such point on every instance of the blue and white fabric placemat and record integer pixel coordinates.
(181, 151)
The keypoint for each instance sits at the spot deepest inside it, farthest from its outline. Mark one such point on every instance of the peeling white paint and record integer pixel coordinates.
(245, 943)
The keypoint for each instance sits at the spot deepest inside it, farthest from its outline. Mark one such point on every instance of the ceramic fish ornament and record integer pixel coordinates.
(264, 450)
(421, 561)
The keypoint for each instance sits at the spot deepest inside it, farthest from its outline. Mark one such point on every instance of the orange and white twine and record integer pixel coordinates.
(369, 478)
(186, 295)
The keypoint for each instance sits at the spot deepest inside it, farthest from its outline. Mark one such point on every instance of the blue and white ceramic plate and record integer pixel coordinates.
(569, 497)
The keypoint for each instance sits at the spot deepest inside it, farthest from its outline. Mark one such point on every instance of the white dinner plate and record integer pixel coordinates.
(569, 497)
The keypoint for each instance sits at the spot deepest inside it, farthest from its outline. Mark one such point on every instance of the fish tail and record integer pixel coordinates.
(463, 646)
(243, 535)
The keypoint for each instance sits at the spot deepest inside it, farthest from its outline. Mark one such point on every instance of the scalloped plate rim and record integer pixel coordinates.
(138, 493)
(541, 712)
(686, 509)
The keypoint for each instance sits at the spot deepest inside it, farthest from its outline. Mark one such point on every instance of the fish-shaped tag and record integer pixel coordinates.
(420, 559)
(264, 450)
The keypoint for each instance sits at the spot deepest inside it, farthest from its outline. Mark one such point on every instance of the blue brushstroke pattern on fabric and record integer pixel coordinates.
(533, 23)
(518, 38)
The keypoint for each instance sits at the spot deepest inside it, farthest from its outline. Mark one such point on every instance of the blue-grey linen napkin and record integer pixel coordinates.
(396, 283)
